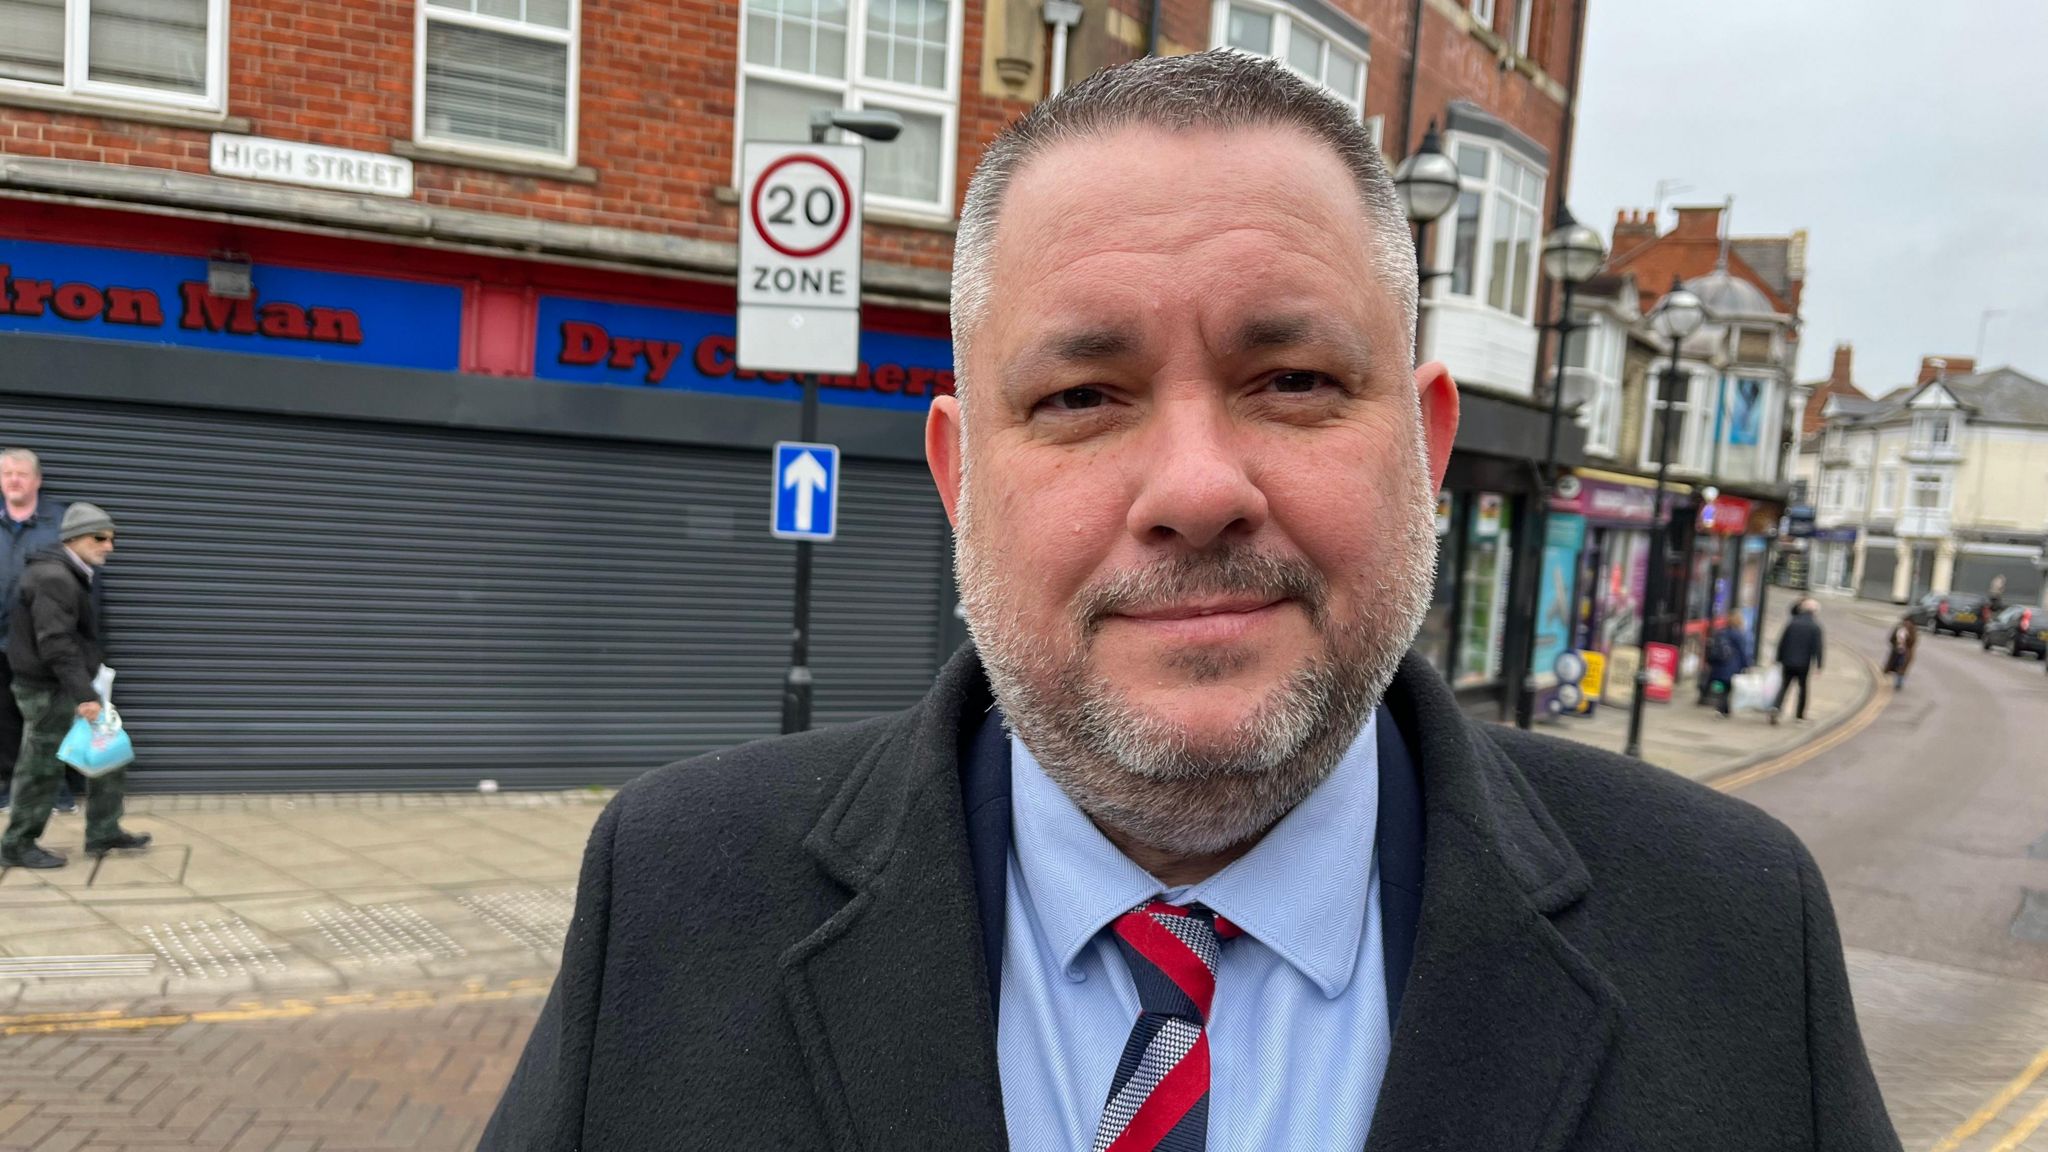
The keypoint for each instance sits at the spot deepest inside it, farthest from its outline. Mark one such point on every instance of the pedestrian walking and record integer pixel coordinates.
(55, 649)
(1002, 915)
(28, 526)
(1728, 654)
(1800, 648)
(1904, 639)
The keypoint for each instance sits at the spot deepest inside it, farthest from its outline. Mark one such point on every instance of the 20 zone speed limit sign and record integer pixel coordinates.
(800, 258)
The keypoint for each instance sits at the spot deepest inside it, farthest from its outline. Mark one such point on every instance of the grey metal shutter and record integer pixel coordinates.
(310, 603)
(1879, 567)
(1974, 572)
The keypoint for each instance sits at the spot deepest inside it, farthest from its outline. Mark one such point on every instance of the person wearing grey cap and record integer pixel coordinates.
(54, 648)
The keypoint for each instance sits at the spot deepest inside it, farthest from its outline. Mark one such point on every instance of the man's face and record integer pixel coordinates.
(93, 549)
(19, 482)
(1193, 484)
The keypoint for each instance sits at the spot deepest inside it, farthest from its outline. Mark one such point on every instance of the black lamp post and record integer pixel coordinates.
(1572, 253)
(1678, 316)
(1427, 181)
(796, 683)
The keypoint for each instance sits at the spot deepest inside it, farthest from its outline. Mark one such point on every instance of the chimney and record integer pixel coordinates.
(1843, 375)
(1632, 229)
(1702, 223)
(1933, 368)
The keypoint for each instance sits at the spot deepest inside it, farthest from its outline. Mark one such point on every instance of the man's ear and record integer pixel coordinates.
(1437, 395)
(942, 450)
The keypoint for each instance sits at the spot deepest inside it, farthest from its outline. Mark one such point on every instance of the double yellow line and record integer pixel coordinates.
(46, 1023)
(2011, 1141)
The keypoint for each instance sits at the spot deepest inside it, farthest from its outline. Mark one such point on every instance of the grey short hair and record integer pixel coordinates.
(25, 456)
(1222, 89)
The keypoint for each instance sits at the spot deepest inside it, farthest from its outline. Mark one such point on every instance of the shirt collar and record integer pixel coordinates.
(1301, 891)
(81, 565)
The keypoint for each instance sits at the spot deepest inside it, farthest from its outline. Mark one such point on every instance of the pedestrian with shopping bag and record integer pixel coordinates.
(56, 649)
(1800, 648)
(1727, 656)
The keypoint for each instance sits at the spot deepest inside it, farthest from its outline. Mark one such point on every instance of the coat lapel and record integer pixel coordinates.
(1504, 1025)
(890, 995)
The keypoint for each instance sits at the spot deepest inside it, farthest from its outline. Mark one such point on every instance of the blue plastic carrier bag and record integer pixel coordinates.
(97, 747)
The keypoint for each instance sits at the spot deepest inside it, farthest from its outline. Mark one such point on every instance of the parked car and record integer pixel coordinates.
(1956, 612)
(2019, 630)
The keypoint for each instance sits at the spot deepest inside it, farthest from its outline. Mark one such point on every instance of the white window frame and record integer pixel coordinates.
(1525, 17)
(1482, 257)
(572, 36)
(1601, 352)
(857, 91)
(1859, 492)
(1284, 19)
(77, 84)
(1921, 481)
(1693, 429)
(1934, 429)
(1888, 491)
(1482, 11)
(1831, 492)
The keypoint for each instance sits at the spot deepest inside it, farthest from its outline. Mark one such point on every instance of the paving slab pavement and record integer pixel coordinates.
(1693, 741)
(297, 894)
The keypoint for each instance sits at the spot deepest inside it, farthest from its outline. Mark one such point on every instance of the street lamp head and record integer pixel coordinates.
(1427, 180)
(1680, 314)
(881, 126)
(1572, 252)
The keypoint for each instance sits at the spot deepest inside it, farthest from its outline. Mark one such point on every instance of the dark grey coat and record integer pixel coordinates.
(777, 947)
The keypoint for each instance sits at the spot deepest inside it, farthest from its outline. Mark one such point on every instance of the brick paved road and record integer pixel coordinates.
(1930, 827)
(343, 1079)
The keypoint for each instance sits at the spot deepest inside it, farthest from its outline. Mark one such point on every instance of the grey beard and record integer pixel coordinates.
(1141, 777)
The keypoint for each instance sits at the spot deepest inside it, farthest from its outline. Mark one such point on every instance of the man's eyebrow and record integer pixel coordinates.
(1087, 344)
(1076, 346)
(1283, 331)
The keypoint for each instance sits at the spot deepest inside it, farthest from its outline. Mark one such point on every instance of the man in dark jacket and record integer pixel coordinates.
(54, 649)
(1800, 648)
(28, 526)
(1186, 806)
(1727, 656)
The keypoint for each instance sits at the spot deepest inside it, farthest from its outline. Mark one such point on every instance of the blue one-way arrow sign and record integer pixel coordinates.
(806, 484)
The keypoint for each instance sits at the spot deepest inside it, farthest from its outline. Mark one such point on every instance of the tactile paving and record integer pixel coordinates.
(377, 934)
(535, 917)
(219, 948)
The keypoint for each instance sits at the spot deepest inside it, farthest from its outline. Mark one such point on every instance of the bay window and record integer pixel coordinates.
(1929, 492)
(498, 77)
(1497, 233)
(898, 55)
(1933, 429)
(167, 52)
(1689, 405)
(1593, 367)
(1316, 52)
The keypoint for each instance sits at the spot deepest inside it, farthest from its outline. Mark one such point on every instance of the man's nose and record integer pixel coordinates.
(1194, 484)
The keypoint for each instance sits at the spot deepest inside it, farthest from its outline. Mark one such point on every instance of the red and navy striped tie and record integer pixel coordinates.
(1159, 1101)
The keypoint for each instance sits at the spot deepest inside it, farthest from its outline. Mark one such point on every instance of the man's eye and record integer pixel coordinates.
(1076, 399)
(1299, 381)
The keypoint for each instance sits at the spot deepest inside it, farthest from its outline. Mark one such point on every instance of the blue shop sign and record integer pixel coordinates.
(636, 346)
(153, 298)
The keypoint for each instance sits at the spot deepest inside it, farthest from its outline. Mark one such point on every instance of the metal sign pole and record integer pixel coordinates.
(796, 684)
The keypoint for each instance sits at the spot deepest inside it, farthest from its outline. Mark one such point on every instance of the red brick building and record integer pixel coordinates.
(398, 336)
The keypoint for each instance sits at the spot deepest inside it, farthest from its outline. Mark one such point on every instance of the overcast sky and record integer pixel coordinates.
(1909, 138)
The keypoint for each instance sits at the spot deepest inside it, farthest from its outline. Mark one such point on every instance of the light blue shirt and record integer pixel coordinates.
(1298, 1035)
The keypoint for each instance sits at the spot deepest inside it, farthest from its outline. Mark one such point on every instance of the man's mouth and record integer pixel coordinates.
(1196, 609)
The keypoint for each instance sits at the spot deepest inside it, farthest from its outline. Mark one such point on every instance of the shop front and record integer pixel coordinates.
(1613, 563)
(1833, 553)
(1469, 632)
(400, 517)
